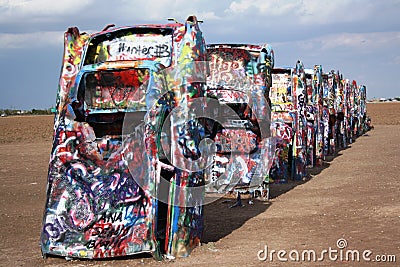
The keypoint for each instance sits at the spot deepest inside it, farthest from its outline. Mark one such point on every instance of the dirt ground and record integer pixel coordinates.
(354, 197)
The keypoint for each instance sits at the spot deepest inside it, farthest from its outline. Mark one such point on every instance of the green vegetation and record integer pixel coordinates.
(12, 112)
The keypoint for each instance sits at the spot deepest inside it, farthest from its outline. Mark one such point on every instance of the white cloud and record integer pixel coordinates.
(30, 40)
(36, 8)
(326, 12)
(159, 11)
(363, 42)
(306, 12)
(396, 60)
(359, 37)
(273, 7)
(207, 16)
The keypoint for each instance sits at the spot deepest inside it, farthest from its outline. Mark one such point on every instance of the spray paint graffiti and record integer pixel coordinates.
(282, 123)
(240, 78)
(135, 108)
(289, 97)
(311, 120)
(323, 111)
(300, 100)
(107, 162)
(317, 99)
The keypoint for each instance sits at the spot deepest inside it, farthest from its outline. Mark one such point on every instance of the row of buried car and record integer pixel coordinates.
(314, 114)
(150, 119)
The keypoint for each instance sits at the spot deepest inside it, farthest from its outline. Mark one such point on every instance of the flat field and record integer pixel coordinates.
(354, 199)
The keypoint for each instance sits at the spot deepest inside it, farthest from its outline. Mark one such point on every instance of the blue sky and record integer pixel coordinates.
(361, 38)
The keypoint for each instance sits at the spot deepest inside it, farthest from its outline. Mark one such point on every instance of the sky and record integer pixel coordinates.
(358, 38)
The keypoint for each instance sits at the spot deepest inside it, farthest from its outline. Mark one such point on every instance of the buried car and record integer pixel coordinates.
(111, 189)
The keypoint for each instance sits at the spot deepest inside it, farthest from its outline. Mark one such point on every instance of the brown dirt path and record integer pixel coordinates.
(355, 197)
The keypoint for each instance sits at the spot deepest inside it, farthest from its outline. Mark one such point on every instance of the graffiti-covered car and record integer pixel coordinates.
(239, 79)
(289, 122)
(112, 190)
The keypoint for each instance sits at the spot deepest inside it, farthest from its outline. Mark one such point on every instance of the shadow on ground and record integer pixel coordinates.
(217, 213)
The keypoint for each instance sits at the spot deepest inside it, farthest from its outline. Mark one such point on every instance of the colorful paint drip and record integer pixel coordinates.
(289, 110)
(107, 167)
(149, 119)
(323, 111)
(239, 79)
